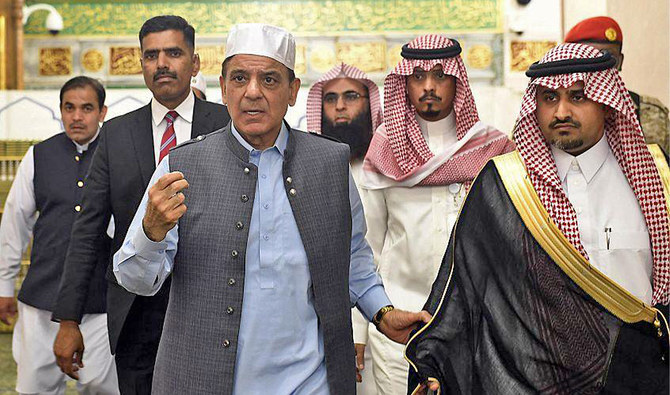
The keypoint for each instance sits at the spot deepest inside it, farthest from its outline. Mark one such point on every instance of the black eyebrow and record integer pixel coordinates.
(155, 50)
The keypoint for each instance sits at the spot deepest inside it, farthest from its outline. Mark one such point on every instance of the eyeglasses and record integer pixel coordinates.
(348, 96)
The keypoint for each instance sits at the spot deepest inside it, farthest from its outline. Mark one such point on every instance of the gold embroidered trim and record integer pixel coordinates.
(606, 292)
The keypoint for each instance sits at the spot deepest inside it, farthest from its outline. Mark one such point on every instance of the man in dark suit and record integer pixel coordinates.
(129, 149)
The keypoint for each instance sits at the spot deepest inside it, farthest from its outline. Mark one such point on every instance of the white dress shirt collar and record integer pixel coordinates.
(83, 147)
(589, 162)
(185, 109)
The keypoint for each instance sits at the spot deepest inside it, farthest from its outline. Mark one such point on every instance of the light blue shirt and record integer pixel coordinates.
(280, 343)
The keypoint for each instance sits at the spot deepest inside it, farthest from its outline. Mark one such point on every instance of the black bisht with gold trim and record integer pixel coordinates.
(508, 319)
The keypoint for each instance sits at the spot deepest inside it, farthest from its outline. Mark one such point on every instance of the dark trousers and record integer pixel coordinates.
(138, 342)
(639, 362)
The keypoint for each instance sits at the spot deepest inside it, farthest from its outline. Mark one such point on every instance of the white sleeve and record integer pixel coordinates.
(17, 223)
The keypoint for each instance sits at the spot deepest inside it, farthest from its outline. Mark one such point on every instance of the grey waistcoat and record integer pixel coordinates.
(199, 343)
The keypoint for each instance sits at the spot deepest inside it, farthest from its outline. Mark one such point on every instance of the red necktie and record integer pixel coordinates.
(169, 139)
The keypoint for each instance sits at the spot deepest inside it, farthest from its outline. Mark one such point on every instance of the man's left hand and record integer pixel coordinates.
(398, 324)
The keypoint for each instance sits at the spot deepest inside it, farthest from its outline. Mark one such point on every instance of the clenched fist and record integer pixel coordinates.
(165, 205)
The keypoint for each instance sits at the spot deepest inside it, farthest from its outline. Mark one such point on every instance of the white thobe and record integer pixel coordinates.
(611, 225)
(408, 230)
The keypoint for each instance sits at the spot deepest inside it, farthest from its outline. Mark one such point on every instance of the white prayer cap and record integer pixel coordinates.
(198, 82)
(264, 40)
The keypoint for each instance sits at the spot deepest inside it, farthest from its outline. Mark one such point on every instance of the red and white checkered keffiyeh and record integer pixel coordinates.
(624, 134)
(342, 70)
(399, 150)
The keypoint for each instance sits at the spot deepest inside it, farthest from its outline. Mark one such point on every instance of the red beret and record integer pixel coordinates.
(598, 29)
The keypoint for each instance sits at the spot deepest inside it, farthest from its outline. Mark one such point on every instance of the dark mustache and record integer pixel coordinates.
(79, 124)
(430, 95)
(562, 122)
(161, 73)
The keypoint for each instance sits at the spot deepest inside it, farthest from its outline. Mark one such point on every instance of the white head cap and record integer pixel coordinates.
(198, 82)
(264, 40)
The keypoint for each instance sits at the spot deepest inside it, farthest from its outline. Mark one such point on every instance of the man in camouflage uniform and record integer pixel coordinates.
(604, 33)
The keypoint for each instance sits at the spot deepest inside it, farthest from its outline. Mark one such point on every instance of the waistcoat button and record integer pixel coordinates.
(239, 226)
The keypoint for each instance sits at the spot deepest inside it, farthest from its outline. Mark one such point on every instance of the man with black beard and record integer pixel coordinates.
(344, 104)
(357, 131)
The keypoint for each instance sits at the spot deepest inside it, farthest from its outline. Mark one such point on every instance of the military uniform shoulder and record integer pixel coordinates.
(198, 139)
(654, 102)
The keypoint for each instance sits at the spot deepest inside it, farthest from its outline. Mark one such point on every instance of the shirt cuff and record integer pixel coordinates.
(373, 300)
(148, 249)
(7, 288)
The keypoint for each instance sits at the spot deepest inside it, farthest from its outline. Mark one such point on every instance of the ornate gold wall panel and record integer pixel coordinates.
(367, 56)
(211, 58)
(322, 58)
(125, 61)
(525, 53)
(92, 60)
(303, 17)
(55, 61)
(102, 34)
(479, 56)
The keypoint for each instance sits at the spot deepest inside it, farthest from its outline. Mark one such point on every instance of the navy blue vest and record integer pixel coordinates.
(59, 182)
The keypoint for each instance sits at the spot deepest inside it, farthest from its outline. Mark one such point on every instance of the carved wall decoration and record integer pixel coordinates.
(115, 18)
(366, 33)
(92, 60)
(55, 61)
(322, 58)
(479, 56)
(368, 56)
(211, 58)
(125, 61)
(525, 53)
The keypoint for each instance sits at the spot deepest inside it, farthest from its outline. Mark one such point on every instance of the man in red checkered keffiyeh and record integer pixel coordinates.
(400, 152)
(556, 277)
(415, 177)
(344, 103)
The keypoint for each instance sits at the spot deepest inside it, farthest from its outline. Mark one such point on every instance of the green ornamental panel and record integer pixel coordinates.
(302, 17)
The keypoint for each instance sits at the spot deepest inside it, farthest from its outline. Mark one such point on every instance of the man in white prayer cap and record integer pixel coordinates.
(199, 86)
(270, 254)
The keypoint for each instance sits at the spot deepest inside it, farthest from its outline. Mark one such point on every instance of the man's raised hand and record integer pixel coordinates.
(165, 205)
